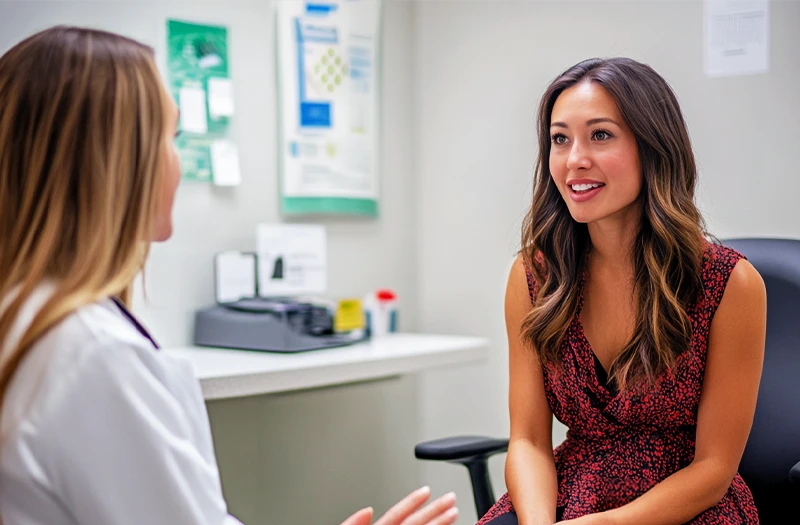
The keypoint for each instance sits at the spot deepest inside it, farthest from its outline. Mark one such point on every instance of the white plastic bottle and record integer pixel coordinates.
(381, 312)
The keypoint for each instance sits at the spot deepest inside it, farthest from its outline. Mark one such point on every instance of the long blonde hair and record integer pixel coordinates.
(83, 120)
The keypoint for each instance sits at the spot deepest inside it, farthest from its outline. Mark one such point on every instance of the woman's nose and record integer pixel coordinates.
(578, 158)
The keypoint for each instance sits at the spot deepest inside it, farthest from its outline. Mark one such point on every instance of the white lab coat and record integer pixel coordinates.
(99, 428)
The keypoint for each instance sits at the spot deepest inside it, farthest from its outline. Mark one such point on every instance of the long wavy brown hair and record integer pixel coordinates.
(669, 244)
(83, 124)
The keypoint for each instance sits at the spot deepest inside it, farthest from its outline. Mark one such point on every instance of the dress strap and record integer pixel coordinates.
(718, 264)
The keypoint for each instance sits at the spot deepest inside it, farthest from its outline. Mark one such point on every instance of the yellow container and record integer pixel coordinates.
(349, 315)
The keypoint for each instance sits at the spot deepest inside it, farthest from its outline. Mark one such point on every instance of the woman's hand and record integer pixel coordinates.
(408, 512)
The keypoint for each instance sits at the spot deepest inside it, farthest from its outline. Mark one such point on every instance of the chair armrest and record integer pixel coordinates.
(473, 452)
(459, 448)
(794, 474)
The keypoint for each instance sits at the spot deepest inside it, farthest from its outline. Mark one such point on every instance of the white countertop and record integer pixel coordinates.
(227, 373)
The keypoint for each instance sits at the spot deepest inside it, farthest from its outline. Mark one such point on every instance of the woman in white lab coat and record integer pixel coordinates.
(97, 425)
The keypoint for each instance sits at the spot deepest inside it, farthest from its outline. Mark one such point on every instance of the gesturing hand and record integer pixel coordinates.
(409, 511)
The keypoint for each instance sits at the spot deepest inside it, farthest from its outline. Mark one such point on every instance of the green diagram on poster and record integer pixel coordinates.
(199, 80)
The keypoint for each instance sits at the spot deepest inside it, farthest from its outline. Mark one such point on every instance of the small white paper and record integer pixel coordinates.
(220, 97)
(292, 260)
(225, 163)
(235, 276)
(736, 37)
(193, 110)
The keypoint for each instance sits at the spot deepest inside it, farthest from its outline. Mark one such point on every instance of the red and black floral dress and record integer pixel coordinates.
(619, 445)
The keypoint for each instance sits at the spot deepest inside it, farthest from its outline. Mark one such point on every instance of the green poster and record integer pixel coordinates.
(200, 83)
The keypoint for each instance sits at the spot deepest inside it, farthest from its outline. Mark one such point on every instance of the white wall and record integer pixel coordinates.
(480, 68)
(311, 457)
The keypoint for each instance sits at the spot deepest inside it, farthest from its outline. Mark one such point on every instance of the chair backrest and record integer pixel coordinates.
(774, 443)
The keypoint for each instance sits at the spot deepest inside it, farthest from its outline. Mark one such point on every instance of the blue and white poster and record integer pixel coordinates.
(328, 106)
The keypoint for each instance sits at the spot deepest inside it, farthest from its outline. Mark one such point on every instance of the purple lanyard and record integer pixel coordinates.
(136, 324)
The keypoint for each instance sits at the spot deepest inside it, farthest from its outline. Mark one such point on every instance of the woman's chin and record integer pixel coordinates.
(162, 234)
(583, 218)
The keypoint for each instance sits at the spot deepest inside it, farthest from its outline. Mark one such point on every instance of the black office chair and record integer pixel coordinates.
(771, 461)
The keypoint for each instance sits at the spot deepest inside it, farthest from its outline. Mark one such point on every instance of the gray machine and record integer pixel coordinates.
(271, 325)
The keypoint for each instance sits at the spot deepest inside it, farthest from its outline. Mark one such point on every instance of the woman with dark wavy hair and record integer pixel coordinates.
(625, 322)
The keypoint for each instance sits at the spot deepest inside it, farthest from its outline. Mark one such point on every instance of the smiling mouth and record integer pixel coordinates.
(585, 188)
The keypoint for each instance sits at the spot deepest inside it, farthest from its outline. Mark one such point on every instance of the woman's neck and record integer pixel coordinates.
(612, 242)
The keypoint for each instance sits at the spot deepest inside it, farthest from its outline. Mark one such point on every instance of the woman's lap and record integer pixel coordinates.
(509, 518)
(502, 513)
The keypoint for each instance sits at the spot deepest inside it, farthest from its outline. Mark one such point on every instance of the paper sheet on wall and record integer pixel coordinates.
(327, 84)
(292, 259)
(234, 276)
(193, 110)
(220, 97)
(225, 163)
(736, 37)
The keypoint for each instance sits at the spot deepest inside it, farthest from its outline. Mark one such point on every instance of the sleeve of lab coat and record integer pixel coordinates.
(124, 450)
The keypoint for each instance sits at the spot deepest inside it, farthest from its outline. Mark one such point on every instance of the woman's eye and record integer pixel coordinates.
(558, 138)
(601, 134)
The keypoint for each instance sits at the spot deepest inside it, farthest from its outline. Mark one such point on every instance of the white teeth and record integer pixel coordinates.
(584, 187)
